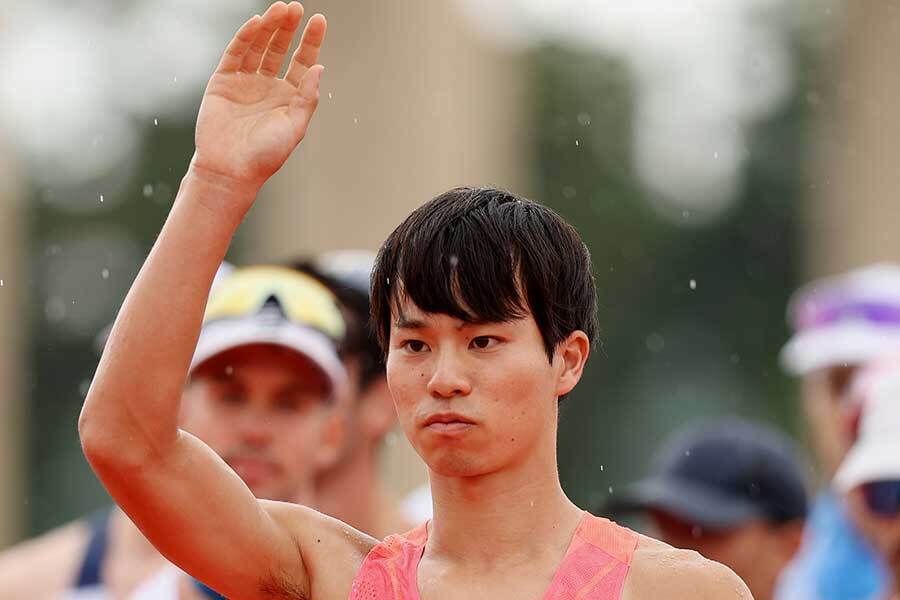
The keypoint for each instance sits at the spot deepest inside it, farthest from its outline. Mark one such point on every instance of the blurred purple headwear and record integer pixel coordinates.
(847, 319)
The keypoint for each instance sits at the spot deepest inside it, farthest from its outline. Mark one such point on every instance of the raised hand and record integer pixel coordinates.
(251, 119)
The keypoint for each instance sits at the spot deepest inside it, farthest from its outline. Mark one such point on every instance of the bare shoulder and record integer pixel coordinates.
(44, 566)
(330, 550)
(661, 571)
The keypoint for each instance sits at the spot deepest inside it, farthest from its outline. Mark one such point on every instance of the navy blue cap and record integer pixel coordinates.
(720, 474)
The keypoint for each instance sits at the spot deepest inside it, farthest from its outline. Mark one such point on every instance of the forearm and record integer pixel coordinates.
(134, 401)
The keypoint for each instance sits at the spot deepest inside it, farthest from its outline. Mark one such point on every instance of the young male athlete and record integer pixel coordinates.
(485, 305)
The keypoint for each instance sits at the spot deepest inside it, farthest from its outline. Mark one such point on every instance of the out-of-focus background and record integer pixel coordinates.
(714, 154)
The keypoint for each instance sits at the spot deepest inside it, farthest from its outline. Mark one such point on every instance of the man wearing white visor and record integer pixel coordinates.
(869, 477)
(840, 323)
(262, 392)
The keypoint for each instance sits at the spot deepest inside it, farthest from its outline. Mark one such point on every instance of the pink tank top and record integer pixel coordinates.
(594, 567)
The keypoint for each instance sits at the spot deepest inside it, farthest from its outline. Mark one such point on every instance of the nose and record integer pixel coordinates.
(255, 426)
(449, 378)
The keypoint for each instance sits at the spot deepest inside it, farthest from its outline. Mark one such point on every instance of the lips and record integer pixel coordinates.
(253, 470)
(448, 423)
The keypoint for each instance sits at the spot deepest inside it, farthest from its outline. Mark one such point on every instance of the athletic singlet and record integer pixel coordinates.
(594, 567)
(88, 584)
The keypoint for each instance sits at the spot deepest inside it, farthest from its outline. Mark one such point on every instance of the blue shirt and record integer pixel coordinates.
(834, 561)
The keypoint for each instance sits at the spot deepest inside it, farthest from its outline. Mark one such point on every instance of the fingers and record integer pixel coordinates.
(307, 53)
(281, 41)
(240, 43)
(270, 22)
(306, 100)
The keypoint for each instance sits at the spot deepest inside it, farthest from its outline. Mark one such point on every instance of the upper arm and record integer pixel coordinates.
(45, 566)
(202, 517)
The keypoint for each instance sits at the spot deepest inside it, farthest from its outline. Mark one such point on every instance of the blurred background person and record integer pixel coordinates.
(840, 324)
(262, 393)
(732, 490)
(352, 489)
(869, 477)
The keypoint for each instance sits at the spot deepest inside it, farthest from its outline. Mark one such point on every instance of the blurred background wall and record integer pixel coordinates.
(713, 155)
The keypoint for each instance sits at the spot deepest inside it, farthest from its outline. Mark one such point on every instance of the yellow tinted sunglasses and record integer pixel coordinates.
(303, 299)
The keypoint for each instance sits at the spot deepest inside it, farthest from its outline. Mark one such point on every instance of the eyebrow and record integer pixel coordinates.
(404, 322)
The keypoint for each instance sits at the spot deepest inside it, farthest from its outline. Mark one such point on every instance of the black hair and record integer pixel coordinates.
(487, 255)
(359, 341)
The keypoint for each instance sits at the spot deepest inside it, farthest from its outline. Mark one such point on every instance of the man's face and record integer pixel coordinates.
(824, 399)
(266, 411)
(757, 551)
(882, 531)
(471, 398)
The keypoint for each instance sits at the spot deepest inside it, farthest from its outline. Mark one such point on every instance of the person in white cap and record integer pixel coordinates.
(869, 477)
(262, 393)
(353, 489)
(840, 323)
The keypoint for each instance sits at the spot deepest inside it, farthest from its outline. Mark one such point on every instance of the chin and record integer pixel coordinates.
(456, 463)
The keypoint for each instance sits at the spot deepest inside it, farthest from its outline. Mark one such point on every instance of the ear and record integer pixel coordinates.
(379, 413)
(792, 538)
(571, 356)
(331, 440)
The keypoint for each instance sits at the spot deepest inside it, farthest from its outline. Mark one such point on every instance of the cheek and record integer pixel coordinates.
(200, 419)
(407, 383)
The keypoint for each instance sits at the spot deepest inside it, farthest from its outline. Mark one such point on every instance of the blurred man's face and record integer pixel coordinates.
(267, 412)
(757, 551)
(824, 395)
(882, 530)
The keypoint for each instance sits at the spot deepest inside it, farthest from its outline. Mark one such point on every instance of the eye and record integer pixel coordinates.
(414, 346)
(230, 397)
(483, 342)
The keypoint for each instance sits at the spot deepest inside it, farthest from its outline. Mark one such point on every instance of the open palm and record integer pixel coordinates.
(251, 119)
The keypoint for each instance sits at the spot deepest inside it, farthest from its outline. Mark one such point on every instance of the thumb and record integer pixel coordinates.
(305, 101)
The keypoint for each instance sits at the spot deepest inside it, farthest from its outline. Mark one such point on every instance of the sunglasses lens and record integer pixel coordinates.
(883, 497)
(301, 298)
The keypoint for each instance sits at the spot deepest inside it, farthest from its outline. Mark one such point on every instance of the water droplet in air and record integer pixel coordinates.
(577, 142)
(104, 273)
(156, 122)
(148, 190)
(693, 284)
(454, 260)
(655, 343)
(330, 96)
(356, 120)
(101, 198)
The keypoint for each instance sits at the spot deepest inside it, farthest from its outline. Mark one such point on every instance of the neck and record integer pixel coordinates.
(350, 492)
(521, 510)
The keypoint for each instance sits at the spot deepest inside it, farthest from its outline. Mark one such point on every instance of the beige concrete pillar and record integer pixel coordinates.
(853, 215)
(413, 103)
(13, 291)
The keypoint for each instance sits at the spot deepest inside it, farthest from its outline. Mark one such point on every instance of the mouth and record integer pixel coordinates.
(448, 423)
(253, 471)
